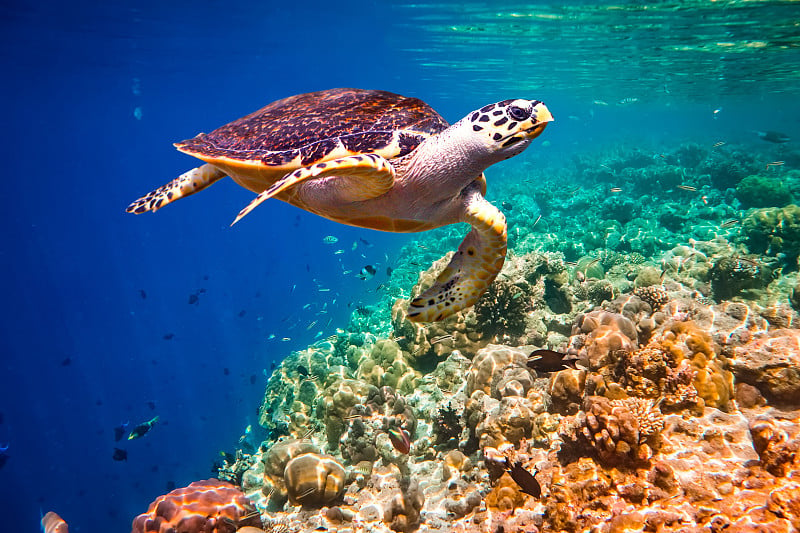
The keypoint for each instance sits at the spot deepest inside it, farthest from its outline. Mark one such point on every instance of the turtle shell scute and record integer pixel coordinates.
(363, 120)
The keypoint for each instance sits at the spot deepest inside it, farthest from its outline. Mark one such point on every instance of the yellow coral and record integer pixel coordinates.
(687, 341)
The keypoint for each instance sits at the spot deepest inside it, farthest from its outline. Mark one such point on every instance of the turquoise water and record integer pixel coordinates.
(111, 318)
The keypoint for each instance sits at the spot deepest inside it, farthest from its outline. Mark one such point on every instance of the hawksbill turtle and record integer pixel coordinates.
(377, 160)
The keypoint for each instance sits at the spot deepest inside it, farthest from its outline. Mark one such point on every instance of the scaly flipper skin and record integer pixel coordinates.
(359, 177)
(184, 185)
(473, 267)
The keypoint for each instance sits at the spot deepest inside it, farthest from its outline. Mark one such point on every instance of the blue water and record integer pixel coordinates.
(97, 326)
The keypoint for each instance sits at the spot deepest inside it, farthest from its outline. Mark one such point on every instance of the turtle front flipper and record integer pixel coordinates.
(359, 177)
(473, 267)
(184, 185)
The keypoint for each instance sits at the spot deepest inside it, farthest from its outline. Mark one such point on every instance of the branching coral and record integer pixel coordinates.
(209, 506)
(447, 425)
(655, 295)
(619, 431)
(503, 308)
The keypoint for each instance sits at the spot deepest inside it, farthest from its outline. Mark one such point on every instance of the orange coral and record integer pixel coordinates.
(204, 506)
(505, 495)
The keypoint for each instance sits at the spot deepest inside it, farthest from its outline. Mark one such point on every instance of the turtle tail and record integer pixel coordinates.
(471, 270)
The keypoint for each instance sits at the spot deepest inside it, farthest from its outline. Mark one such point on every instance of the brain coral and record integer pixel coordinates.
(500, 371)
(602, 333)
(204, 506)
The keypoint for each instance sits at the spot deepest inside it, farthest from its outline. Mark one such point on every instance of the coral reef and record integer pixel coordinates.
(675, 411)
(773, 231)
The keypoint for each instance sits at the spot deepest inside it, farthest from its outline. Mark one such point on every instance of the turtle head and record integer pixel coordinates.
(506, 128)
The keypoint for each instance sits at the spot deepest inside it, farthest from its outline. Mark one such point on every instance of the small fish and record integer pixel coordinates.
(551, 361)
(3, 455)
(774, 164)
(773, 137)
(526, 480)
(389, 271)
(571, 263)
(270, 336)
(367, 272)
(66, 361)
(143, 294)
(151, 405)
(241, 313)
(286, 339)
(307, 434)
(536, 221)
(355, 245)
(338, 252)
(628, 101)
(168, 336)
(120, 455)
(330, 239)
(365, 242)
(440, 338)
(306, 493)
(400, 439)
(615, 189)
(600, 102)
(194, 298)
(686, 187)
(352, 417)
(346, 272)
(323, 290)
(729, 223)
(293, 288)
(717, 111)
(704, 198)
(311, 325)
(717, 145)
(142, 429)
(303, 371)
(52, 523)
(593, 262)
(508, 206)
(226, 371)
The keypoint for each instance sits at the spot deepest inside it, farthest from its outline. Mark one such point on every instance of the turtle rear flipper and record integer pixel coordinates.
(359, 178)
(184, 185)
(471, 270)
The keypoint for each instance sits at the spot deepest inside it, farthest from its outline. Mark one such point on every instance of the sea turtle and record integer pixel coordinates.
(378, 160)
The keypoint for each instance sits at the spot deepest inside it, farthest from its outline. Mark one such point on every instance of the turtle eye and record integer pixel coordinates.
(517, 113)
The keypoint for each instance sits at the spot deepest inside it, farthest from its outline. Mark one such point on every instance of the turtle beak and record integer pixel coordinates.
(540, 116)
